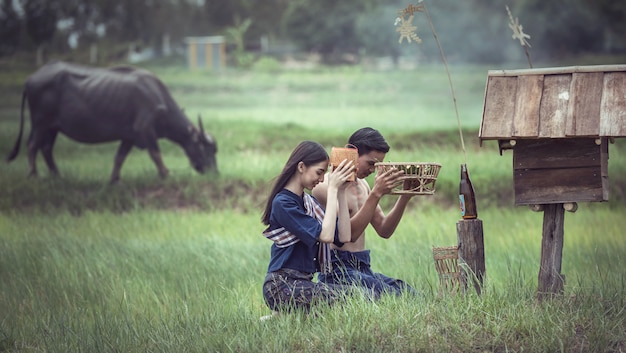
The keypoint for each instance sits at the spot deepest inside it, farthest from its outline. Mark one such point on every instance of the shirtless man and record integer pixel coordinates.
(351, 262)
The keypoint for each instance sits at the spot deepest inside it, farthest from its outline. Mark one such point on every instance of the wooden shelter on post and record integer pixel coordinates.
(558, 122)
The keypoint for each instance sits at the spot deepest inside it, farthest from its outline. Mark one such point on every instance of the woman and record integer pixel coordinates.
(302, 231)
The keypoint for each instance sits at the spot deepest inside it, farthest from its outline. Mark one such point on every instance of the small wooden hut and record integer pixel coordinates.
(558, 122)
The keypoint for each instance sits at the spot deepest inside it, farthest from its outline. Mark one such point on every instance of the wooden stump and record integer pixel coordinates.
(551, 280)
(471, 252)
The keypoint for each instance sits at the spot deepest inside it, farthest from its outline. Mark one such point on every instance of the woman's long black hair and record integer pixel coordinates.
(308, 152)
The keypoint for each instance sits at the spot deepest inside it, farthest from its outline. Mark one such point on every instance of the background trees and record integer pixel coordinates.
(471, 31)
(10, 27)
(40, 18)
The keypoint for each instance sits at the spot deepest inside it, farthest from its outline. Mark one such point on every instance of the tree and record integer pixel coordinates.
(267, 15)
(327, 27)
(377, 32)
(10, 26)
(264, 17)
(41, 22)
(237, 34)
(83, 19)
(560, 29)
(613, 13)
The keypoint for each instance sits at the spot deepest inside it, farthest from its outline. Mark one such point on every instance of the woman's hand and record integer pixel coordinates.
(339, 176)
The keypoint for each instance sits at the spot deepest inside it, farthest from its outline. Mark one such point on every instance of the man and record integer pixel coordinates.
(351, 262)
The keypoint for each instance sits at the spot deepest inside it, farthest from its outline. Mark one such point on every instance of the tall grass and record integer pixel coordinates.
(176, 265)
(190, 281)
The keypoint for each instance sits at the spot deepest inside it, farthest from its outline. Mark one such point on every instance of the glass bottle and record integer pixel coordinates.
(467, 197)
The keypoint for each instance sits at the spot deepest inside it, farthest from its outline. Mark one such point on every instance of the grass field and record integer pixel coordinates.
(177, 265)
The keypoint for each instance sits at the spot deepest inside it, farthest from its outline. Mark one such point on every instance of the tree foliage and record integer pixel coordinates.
(10, 27)
(326, 26)
(563, 28)
(472, 30)
(41, 19)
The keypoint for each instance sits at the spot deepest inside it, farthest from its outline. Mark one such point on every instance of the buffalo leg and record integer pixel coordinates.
(155, 154)
(32, 158)
(120, 156)
(34, 144)
(46, 151)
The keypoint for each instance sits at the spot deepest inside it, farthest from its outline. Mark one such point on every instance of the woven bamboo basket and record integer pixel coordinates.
(447, 265)
(418, 179)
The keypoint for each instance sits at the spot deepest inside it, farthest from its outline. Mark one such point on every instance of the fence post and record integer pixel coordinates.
(550, 277)
(471, 252)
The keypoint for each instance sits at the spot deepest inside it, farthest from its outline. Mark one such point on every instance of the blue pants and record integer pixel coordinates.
(353, 268)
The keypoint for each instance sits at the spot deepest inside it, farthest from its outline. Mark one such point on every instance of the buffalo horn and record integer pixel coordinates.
(200, 124)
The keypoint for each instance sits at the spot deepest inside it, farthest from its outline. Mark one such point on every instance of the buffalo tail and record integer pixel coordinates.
(16, 148)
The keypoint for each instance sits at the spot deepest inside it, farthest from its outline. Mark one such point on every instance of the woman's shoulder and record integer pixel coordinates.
(286, 196)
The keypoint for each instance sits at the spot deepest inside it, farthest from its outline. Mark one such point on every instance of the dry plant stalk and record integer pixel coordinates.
(518, 33)
(421, 7)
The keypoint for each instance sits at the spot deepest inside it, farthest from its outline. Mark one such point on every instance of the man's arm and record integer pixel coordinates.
(366, 213)
(386, 225)
(370, 211)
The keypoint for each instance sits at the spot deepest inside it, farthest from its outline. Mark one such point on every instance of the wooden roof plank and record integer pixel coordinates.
(613, 105)
(584, 108)
(526, 117)
(536, 103)
(482, 118)
(499, 107)
(554, 105)
(558, 70)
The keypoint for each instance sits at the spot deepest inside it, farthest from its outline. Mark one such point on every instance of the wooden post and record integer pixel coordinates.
(551, 280)
(471, 252)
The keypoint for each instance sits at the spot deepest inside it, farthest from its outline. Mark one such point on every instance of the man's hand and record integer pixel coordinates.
(386, 181)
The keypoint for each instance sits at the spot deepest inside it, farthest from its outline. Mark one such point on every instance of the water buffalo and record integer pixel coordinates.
(96, 105)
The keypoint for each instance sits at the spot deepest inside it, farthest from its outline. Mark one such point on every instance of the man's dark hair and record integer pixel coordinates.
(367, 139)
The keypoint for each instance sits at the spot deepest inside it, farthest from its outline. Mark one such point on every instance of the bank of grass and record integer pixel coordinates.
(247, 167)
(258, 117)
(176, 265)
(189, 281)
